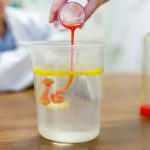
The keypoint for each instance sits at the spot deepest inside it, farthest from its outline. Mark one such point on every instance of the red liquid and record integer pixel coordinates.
(145, 110)
(58, 97)
(72, 28)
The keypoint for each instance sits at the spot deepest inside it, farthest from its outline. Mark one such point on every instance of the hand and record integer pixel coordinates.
(90, 8)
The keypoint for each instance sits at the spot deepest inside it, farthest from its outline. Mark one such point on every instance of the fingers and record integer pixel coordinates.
(91, 7)
(55, 8)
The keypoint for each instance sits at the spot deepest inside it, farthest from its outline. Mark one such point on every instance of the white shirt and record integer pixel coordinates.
(15, 66)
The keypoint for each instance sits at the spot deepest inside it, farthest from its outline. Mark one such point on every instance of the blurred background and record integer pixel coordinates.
(121, 24)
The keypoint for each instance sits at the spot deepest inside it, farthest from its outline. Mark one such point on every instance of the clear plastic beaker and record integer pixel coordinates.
(145, 105)
(68, 98)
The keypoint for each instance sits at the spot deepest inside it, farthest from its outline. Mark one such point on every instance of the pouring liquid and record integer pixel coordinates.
(61, 117)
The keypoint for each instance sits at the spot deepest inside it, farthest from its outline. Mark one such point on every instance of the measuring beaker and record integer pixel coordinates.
(68, 94)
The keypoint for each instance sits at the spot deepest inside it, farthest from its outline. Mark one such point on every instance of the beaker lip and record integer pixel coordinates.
(94, 43)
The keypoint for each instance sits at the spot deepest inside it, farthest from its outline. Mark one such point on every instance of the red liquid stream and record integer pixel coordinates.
(72, 28)
(57, 97)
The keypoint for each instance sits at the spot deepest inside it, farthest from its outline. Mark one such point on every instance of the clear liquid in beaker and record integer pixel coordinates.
(76, 119)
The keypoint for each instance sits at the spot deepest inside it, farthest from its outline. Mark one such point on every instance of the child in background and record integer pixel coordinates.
(17, 26)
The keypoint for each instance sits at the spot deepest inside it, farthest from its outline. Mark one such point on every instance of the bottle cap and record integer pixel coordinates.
(145, 110)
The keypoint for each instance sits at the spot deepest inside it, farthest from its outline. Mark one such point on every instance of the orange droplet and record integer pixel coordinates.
(44, 96)
(44, 101)
(47, 82)
(57, 98)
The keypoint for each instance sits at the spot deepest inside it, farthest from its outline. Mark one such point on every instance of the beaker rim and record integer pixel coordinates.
(66, 44)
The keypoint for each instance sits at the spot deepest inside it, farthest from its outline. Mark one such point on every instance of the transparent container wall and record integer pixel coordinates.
(145, 104)
(59, 54)
(67, 82)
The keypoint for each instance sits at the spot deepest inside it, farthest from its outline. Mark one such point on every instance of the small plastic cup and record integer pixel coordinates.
(68, 101)
(70, 14)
